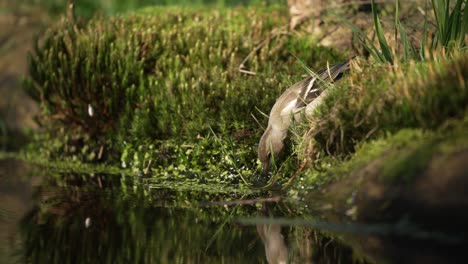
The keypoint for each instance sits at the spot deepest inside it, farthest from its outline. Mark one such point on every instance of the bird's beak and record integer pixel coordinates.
(266, 167)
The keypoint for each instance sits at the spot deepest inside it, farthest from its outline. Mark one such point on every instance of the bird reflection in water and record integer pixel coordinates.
(275, 247)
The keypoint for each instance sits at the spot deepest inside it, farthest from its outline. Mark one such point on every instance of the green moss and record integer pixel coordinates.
(376, 100)
(125, 83)
(415, 158)
(167, 98)
(398, 157)
(146, 75)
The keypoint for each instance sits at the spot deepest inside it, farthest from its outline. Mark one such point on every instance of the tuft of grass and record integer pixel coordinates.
(451, 22)
(451, 28)
(386, 52)
(384, 99)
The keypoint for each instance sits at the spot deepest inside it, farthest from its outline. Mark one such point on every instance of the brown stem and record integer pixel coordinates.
(71, 11)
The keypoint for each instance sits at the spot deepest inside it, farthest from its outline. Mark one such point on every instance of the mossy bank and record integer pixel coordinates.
(160, 92)
(162, 88)
(157, 95)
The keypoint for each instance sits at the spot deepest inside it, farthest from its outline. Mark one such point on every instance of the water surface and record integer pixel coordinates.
(52, 217)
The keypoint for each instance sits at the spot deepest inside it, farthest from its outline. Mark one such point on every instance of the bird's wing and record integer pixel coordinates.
(307, 88)
(308, 93)
(312, 87)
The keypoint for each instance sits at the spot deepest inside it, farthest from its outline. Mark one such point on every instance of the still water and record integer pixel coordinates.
(56, 217)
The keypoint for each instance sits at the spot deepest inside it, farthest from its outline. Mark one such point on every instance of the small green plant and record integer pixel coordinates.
(451, 29)
(452, 25)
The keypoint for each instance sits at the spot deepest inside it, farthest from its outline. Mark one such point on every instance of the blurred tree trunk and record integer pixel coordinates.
(300, 10)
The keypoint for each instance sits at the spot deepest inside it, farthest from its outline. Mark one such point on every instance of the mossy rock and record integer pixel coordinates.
(412, 173)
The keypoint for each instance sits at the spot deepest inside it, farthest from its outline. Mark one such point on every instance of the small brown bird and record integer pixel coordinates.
(303, 95)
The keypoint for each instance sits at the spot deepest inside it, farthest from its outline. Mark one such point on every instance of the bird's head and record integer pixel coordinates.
(270, 147)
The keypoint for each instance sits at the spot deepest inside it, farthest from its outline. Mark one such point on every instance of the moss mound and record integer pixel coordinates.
(163, 73)
(117, 89)
(164, 94)
(377, 100)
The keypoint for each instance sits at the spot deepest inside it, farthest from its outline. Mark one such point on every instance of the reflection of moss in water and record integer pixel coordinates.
(130, 224)
(135, 235)
(126, 226)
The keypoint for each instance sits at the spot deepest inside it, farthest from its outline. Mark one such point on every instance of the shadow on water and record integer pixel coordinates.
(48, 217)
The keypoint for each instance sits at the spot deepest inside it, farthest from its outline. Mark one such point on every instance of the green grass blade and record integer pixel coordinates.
(397, 23)
(404, 42)
(464, 24)
(422, 51)
(457, 25)
(386, 51)
(453, 25)
(438, 13)
(445, 22)
(364, 39)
